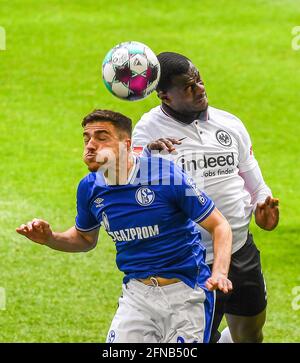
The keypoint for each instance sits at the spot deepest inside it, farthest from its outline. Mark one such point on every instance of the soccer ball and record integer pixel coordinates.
(131, 71)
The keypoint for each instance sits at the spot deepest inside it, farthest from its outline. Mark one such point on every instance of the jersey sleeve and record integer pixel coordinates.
(84, 221)
(140, 137)
(256, 186)
(247, 160)
(191, 200)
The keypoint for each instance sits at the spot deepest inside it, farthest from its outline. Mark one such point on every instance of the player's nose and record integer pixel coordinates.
(200, 87)
(91, 145)
(199, 90)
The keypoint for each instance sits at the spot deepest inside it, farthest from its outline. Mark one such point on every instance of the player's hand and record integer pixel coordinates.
(267, 214)
(219, 281)
(37, 230)
(166, 144)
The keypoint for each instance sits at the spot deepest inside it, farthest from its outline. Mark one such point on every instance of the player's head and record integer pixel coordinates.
(106, 134)
(180, 85)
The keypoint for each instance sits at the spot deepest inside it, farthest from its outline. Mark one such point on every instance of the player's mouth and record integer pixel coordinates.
(90, 156)
(201, 99)
(201, 102)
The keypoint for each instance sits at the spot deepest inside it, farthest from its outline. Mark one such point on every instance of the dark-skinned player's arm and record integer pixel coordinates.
(266, 208)
(72, 240)
(221, 234)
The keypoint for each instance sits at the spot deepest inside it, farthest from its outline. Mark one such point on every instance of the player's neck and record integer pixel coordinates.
(186, 118)
(120, 174)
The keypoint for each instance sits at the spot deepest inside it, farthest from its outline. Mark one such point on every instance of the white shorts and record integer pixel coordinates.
(174, 313)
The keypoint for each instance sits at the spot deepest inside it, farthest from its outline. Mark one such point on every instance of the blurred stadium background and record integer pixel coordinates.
(50, 79)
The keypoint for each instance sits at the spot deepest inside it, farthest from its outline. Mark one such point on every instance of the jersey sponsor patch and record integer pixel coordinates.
(137, 149)
(196, 190)
(105, 222)
(131, 234)
(111, 336)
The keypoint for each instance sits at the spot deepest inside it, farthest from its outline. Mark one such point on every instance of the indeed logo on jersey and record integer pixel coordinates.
(191, 162)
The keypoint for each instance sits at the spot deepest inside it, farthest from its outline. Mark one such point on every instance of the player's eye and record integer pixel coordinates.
(101, 138)
(190, 87)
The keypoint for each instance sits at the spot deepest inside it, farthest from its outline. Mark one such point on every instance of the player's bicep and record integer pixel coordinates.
(91, 237)
(215, 219)
(85, 221)
(247, 160)
(191, 200)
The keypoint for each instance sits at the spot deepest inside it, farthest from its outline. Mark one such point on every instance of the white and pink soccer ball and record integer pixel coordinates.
(131, 71)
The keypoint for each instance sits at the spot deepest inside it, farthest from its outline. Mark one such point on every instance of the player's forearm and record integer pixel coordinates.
(256, 186)
(69, 241)
(222, 243)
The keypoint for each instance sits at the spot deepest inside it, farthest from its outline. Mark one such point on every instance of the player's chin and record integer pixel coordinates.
(92, 166)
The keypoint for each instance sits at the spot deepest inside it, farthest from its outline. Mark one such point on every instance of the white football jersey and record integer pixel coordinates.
(213, 152)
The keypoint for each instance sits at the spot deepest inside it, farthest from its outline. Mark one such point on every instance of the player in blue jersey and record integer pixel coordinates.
(150, 208)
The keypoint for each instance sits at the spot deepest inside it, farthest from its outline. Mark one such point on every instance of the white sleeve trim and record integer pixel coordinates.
(87, 230)
(205, 214)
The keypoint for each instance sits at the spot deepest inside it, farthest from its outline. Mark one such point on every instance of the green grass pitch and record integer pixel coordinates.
(50, 79)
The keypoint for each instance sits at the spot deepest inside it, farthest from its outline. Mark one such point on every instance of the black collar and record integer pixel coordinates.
(185, 118)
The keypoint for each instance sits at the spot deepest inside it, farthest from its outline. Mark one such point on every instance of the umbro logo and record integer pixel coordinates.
(98, 202)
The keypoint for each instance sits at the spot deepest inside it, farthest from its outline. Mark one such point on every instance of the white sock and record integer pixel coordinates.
(225, 336)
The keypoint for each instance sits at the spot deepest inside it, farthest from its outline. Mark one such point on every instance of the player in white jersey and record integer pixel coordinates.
(214, 147)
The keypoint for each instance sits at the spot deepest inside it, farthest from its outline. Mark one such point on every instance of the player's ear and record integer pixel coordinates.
(163, 96)
(128, 144)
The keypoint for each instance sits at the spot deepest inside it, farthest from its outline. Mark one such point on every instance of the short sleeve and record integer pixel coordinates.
(84, 221)
(193, 202)
(140, 136)
(247, 160)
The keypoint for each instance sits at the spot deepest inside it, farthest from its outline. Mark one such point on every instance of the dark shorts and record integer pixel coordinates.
(249, 296)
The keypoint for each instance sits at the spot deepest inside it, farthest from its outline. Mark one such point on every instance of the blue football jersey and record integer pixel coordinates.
(152, 220)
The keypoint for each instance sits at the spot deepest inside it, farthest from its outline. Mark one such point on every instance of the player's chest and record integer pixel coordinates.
(142, 206)
(208, 149)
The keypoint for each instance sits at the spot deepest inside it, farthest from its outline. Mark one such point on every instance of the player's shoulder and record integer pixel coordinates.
(227, 116)
(87, 180)
(226, 119)
(152, 116)
(87, 183)
(159, 170)
(161, 161)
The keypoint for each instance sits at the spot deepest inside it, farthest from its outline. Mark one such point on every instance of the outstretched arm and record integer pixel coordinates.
(221, 233)
(72, 240)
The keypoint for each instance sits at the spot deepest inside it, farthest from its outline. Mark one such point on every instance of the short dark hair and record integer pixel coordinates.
(120, 121)
(171, 64)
